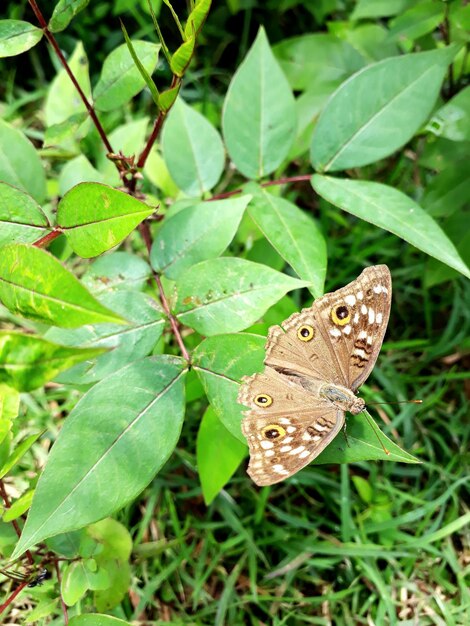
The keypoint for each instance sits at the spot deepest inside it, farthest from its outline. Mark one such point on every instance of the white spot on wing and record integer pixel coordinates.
(347, 330)
(360, 352)
(351, 300)
(291, 429)
(379, 318)
(269, 453)
(359, 295)
(284, 420)
(316, 438)
(319, 427)
(266, 444)
(362, 334)
(356, 318)
(334, 332)
(280, 469)
(364, 309)
(371, 316)
(303, 454)
(285, 449)
(306, 436)
(288, 439)
(297, 450)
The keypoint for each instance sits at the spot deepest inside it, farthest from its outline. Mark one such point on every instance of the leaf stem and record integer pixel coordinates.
(269, 183)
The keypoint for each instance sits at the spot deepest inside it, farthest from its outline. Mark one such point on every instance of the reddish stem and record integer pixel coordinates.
(51, 39)
(64, 606)
(44, 241)
(269, 183)
(13, 596)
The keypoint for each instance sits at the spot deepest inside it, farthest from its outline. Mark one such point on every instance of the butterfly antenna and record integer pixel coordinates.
(397, 402)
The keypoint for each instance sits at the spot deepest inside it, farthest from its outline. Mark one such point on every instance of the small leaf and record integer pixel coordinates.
(221, 362)
(19, 507)
(62, 100)
(259, 118)
(417, 21)
(15, 151)
(28, 362)
(294, 234)
(21, 218)
(97, 619)
(17, 36)
(228, 294)
(391, 210)
(364, 443)
(452, 121)
(36, 285)
(64, 12)
(168, 98)
(143, 72)
(378, 110)
(9, 406)
(196, 233)
(218, 455)
(182, 57)
(120, 78)
(111, 445)
(18, 453)
(197, 18)
(192, 149)
(96, 217)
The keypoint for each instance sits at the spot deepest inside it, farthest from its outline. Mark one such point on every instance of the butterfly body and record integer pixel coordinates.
(315, 362)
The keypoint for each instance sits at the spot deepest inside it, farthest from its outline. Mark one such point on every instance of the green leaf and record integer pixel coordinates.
(143, 72)
(76, 171)
(62, 100)
(378, 8)
(15, 151)
(125, 344)
(63, 133)
(316, 58)
(120, 78)
(227, 294)
(391, 210)
(36, 285)
(196, 233)
(64, 12)
(452, 121)
(197, 18)
(9, 407)
(192, 149)
(21, 218)
(221, 362)
(19, 506)
(364, 443)
(417, 21)
(259, 117)
(18, 454)
(182, 57)
(294, 234)
(28, 362)
(117, 271)
(95, 217)
(168, 97)
(74, 582)
(96, 619)
(448, 191)
(218, 455)
(110, 447)
(378, 110)
(17, 36)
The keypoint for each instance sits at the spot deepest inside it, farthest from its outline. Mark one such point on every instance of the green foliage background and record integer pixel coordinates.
(197, 542)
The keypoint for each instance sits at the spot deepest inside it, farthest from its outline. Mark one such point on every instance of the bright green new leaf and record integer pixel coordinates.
(228, 294)
(182, 56)
(120, 78)
(18, 454)
(391, 210)
(168, 97)
(219, 454)
(294, 234)
(64, 12)
(365, 442)
(62, 99)
(140, 66)
(316, 58)
(123, 344)
(417, 21)
(110, 447)
(9, 406)
(28, 362)
(19, 506)
(378, 110)
(197, 18)
(15, 151)
(259, 118)
(17, 36)
(96, 619)
(192, 149)
(21, 218)
(196, 233)
(96, 217)
(221, 362)
(33, 283)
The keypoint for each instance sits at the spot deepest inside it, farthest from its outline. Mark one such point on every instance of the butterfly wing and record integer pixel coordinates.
(337, 339)
(290, 428)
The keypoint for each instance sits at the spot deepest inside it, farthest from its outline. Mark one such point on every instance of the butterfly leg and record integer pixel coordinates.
(343, 430)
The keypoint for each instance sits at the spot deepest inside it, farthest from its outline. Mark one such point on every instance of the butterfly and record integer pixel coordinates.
(315, 362)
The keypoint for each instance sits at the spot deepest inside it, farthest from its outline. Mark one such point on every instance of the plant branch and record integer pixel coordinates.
(175, 327)
(46, 239)
(269, 183)
(64, 606)
(52, 40)
(13, 596)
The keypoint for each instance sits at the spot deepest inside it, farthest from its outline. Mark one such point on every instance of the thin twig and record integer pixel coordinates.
(44, 241)
(52, 40)
(64, 606)
(269, 183)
